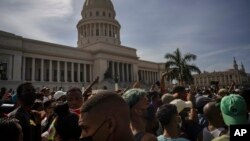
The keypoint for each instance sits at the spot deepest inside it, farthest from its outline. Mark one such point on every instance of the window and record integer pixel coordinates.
(103, 14)
(97, 13)
(109, 15)
(90, 14)
(3, 71)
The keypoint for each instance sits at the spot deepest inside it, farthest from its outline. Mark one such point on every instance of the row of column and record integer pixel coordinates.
(99, 29)
(224, 79)
(148, 76)
(122, 71)
(34, 69)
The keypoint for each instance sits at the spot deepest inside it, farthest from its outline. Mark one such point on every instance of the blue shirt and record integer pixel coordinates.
(162, 138)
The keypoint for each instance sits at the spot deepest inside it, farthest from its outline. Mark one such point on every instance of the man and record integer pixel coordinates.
(10, 130)
(234, 112)
(105, 117)
(140, 114)
(74, 99)
(170, 120)
(179, 92)
(216, 124)
(30, 121)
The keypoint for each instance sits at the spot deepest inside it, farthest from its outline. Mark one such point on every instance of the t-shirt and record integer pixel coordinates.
(222, 138)
(163, 138)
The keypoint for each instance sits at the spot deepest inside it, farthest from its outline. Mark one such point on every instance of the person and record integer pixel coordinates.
(169, 118)
(10, 130)
(234, 111)
(60, 96)
(167, 98)
(245, 93)
(74, 99)
(49, 114)
(105, 117)
(179, 92)
(29, 120)
(140, 113)
(66, 125)
(216, 125)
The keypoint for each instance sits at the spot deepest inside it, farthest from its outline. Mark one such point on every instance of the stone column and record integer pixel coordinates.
(72, 72)
(24, 68)
(42, 70)
(58, 71)
(65, 72)
(78, 73)
(118, 70)
(50, 70)
(122, 73)
(127, 75)
(84, 72)
(33, 70)
(113, 68)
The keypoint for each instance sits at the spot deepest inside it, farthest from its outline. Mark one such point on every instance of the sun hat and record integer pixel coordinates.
(59, 94)
(180, 104)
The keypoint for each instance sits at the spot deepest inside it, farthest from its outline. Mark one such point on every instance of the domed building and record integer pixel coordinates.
(99, 52)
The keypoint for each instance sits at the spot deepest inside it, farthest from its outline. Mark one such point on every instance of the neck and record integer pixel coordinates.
(137, 125)
(171, 132)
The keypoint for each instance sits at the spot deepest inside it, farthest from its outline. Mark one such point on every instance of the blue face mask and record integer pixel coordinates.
(90, 138)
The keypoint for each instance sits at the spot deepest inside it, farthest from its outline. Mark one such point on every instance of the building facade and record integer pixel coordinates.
(98, 53)
(225, 78)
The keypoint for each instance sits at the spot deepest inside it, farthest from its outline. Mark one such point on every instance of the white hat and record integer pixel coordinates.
(59, 94)
(180, 104)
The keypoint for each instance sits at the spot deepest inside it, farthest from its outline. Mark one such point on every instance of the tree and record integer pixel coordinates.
(178, 67)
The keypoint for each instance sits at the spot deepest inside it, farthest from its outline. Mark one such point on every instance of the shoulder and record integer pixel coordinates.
(149, 137)
(161, 138)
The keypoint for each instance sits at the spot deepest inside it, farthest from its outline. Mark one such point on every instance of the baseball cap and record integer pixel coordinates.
(180, 104)
(234, 110)
(59, 94)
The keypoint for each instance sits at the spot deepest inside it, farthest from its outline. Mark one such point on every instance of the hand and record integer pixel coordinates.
(96, 79)
(164, 74)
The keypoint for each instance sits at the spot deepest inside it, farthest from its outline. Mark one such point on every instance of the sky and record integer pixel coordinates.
(214, 30)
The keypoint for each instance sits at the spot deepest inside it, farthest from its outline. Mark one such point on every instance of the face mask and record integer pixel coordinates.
(90, 138)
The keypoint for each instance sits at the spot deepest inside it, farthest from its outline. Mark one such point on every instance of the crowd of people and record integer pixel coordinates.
(132, 114)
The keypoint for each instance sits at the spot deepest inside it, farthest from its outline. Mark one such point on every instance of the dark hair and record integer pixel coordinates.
(178, 89)
(2, 92)
(38, 106)
(62, 109)
(47, 103)
(245, 93)
(73, 89)
(26, 93)
(67, 126)
(9, 129)
(165, 114)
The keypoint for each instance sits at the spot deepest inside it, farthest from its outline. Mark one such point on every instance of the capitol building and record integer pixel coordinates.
(98, 53)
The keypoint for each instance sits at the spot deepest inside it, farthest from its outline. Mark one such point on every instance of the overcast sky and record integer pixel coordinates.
(214, 30)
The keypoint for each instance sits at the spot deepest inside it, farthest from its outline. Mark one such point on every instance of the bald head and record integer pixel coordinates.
(210, 110)
(106, 103)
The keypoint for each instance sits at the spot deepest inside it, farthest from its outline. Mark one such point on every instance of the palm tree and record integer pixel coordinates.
(178, 68)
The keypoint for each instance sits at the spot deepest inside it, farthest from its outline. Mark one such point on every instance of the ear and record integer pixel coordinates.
(111, 124)
(136, 111)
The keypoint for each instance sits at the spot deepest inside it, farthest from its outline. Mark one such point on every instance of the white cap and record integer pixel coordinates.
(180, 104)
(59, 94)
